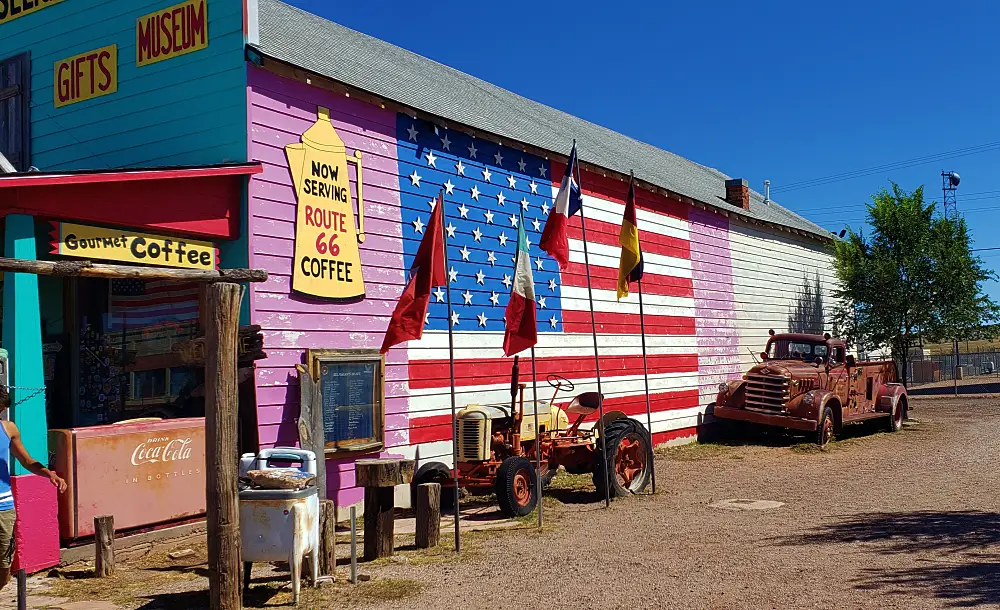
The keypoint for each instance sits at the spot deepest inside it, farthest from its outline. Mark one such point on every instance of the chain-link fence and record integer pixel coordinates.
(964, 373)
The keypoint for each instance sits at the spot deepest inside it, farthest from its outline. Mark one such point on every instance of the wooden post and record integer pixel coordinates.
(221, 451)
(428, 515)
(328, 539)
(379, 477)
(104, 546)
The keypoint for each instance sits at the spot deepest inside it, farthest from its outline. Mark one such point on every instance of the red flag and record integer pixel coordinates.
(428, 271)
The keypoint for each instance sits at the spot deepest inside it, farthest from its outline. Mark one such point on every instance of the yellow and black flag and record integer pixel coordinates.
(630, 265)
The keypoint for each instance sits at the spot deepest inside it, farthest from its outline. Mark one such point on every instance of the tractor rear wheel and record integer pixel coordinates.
(627, 464)
(434, 472)
(516, 487)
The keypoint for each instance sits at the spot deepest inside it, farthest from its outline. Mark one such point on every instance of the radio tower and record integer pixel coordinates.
(949, 184)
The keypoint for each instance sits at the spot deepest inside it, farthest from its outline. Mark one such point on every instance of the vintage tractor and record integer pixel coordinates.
(498, 445)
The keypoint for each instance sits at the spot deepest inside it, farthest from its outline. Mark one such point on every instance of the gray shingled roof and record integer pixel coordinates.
(312, 43)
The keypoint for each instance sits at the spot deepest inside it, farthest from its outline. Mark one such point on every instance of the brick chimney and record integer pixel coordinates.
(738, 193)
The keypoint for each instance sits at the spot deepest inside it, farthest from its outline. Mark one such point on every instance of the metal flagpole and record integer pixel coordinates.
(451, 368)
(645, 375)
(593, 329)
(538, 436)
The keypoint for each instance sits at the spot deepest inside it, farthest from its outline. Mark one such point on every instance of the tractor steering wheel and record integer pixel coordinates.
(560, 383)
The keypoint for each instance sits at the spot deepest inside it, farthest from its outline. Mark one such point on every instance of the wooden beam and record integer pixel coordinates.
(221, 450)
(104, 546)
(91, 269)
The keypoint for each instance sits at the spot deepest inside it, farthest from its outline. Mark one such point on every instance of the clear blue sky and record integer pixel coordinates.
(786, 91)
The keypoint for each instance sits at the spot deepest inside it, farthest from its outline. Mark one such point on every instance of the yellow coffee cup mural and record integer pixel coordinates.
(327, 258)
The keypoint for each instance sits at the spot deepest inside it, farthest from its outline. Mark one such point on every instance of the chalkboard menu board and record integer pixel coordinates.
(351, 396)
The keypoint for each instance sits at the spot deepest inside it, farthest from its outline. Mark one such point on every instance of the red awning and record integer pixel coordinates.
(203, 200)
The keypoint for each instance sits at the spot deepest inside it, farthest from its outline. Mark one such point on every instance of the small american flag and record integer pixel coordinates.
(135, 303)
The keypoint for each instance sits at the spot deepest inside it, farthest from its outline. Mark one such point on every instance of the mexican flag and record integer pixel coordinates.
(522, 331)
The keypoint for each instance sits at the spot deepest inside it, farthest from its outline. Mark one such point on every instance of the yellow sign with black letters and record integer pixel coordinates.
(12, 9)
(327, 259)
(83, 241)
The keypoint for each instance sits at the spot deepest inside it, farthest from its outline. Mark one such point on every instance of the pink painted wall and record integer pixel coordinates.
(280, 110)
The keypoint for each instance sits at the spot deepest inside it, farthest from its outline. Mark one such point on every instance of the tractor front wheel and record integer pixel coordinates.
(627, 463)
(516, 487)
(435, 472)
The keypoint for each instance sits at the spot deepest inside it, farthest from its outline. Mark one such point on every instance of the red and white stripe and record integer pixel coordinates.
(482, 374)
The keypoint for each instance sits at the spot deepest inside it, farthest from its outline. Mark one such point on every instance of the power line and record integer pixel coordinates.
(976, 196)
(868, 171)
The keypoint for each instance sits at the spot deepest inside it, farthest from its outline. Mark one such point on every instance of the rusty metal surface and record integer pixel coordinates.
(142, 473)
(792, 393)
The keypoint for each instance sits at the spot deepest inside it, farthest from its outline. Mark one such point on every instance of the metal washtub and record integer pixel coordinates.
(769, 392)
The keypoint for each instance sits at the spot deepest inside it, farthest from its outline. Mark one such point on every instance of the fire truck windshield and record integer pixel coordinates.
(785, 349)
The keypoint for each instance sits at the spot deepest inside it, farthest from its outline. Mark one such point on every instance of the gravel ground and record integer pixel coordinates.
(907, 520)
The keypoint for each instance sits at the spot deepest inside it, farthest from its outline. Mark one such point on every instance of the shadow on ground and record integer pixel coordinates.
(967, 573)
(949, 390)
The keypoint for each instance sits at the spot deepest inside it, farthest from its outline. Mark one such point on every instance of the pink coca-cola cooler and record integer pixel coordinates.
(144, 473)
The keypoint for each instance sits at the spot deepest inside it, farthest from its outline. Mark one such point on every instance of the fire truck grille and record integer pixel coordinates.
(767, 392)
(470, 438)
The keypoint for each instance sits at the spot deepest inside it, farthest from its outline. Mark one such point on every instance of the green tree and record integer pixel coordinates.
(915, 275)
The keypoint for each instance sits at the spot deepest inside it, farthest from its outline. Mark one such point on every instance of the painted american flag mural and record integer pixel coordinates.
(487, 185)
(691, 325)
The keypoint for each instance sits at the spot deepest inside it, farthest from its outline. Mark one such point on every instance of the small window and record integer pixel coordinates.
(15, 120)
(869, 388)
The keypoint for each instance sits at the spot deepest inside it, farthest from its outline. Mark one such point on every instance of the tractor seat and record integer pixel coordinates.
(585, 404)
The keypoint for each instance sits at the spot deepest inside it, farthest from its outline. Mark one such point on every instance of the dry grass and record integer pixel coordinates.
(693, 452)
(340, 594)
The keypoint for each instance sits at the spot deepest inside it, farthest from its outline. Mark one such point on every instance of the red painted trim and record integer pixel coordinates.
(671, 435)
(29, 180)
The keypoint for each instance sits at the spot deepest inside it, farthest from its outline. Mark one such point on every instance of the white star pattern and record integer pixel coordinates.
(473, 150)
(552, 285)
(439, 295)
(413, 132)
(486, 174)
(415, 179)
(501, 198)
(482, 318)
(449, 187)
(495, 299)
(513, 221)
(450, 229)
(541, 302)
(527, 241)
(488, 214)
(475, 192)
(553, 321)
(477, 234)
(481, 278)
(454, 318)
(506, 280)
(427, 318)
(465, 253)
(511, 181)
(536, 224)
(432, 203)
(452, 275)
(499, 159)
(468, 297)
(538, 263)
(431, 159)
(491, 258)
(418, 225)
(460, 168)
(521, 165)
(524, 204)
(446, 143)
(503, 240)
(541, 170)
(464, 211)
(545, 209)
(534, 188)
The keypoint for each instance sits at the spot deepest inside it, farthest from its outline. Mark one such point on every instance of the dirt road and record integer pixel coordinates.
(907, 520)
